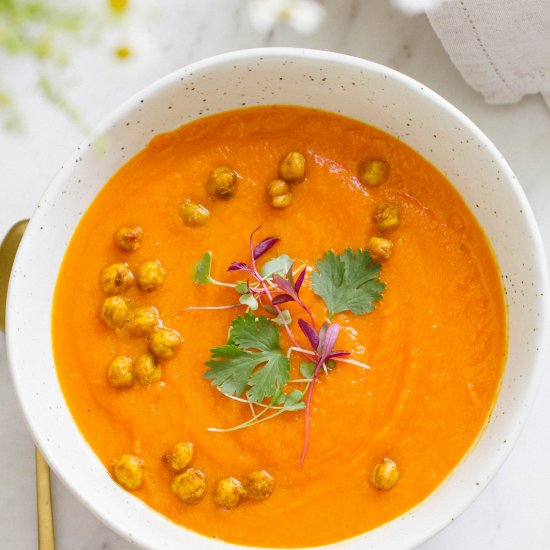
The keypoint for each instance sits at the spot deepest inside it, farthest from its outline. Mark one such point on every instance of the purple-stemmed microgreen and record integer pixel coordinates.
(322, 343)
(291, 291)
(256, 252)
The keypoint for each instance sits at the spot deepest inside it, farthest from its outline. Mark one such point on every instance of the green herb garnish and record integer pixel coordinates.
(252, 361)
(348, 281)
(252, 368)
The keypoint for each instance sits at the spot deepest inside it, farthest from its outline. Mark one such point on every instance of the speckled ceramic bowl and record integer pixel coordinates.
(358, 89)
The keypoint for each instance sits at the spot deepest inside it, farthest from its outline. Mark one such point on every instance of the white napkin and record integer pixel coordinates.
(501, 47)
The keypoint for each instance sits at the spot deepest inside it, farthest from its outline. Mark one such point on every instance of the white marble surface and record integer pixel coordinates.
(512, 511)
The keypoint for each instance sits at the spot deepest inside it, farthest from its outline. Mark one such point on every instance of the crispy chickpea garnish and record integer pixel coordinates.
(279, 193)
(282, 201)
(120, 372)
(143, 320)
(222, 182)
(292, 167)
(276, 188)
(146, 370)
(163, 342)
(193, 213)
(386, 216)
(179, 457)
(258, 485)
(374, 171)
(116, 278)
(379, 248)
(384, 475)
(150, 275)
(189, 486)
(228, 493)
(129, 238)
(128, 470)
(115, 311)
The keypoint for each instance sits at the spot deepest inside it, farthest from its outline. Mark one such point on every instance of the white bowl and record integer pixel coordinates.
(353, 87)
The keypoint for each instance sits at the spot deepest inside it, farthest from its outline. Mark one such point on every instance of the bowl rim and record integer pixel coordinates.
(132, 104)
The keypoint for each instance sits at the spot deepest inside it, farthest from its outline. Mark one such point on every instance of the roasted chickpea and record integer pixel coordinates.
(282, 201)
(379, 248)
(120, 372)
(115, 311)
(128, 470)
(384, 475)
(179, 457)
(128, 238)
(143, 320)
(279, 193)
(146, 370)
(189, 486)
(229, 492)
(276, 188)
(222, 182)
(116, 278)
(193, 213)
(386, 215)
(163, 342)
(259, 485)
(150, 275)
(374, 171)
(292, 167)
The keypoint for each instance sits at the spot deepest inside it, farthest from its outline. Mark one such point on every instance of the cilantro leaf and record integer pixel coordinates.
(348, 281)
(252, 361)
(231, 368)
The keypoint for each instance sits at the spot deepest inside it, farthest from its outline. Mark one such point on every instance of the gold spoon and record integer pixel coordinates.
(8, 248)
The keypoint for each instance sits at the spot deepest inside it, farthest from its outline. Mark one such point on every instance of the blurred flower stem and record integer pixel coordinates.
(45, 33)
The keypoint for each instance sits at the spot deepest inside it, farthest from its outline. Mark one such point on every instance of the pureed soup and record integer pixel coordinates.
(279, 327)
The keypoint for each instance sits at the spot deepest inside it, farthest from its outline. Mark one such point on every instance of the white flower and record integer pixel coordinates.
(126, 40)
(413, 7)
(304, 16)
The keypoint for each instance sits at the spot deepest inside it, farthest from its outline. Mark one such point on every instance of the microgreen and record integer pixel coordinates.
(290, 290)
(348, 281)
(249, 300)
(201, 272)
(252, 367)
(323, 344)
(277, 266)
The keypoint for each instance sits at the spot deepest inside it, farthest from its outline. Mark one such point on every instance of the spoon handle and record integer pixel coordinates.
(8, 248)
(44, 504)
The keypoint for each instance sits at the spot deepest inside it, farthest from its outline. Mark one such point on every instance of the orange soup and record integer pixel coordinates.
(391, 262)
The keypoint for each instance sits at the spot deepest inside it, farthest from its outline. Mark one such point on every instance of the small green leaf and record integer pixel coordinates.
(201, 271)
(277, 266)
(250, 301)
(241, 287)
(307, 369)
(286, 320)
(330, 364)
(279, 399)
(294, 401)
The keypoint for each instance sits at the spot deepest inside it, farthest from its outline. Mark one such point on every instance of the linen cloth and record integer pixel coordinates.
(501, 47)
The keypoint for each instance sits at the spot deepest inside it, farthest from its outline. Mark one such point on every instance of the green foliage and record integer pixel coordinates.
(201, 270)
(277, 266)
(251, 362)
(348, 281)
